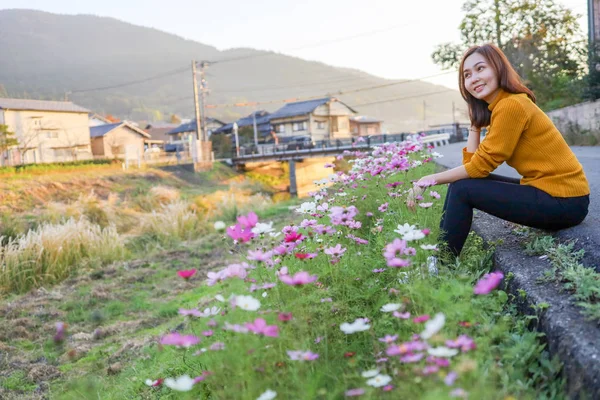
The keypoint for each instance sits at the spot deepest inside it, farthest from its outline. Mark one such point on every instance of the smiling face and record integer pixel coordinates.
(480, 79)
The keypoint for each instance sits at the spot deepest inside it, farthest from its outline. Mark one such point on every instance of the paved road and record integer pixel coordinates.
(588, 232)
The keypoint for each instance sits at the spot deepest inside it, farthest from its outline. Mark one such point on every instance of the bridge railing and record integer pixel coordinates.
(324, 145)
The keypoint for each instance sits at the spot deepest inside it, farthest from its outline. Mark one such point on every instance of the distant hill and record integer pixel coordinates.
(44, 55)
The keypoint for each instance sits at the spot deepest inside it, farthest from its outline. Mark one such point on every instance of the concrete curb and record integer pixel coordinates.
(575, 340)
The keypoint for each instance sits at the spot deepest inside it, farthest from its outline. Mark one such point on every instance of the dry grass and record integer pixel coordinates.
(50, 253)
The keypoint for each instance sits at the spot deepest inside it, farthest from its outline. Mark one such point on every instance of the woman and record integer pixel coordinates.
(553, 193)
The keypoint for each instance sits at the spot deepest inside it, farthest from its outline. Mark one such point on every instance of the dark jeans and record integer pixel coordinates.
(505, 198)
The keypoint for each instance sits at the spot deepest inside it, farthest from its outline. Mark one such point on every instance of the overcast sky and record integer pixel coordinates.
(388, 38)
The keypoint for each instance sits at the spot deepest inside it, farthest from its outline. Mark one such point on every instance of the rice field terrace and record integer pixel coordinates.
(229, 296)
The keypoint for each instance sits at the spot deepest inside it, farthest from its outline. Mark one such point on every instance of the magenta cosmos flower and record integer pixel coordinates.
(179, 340)
(488, 283)
(299, 278)
(248, 221)
(186, 273)
(260, 327)
(299, 355)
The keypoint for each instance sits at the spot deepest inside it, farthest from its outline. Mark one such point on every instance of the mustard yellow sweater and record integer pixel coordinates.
(524, 136)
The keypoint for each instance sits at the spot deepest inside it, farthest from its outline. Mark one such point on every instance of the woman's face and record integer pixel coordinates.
(480, 78)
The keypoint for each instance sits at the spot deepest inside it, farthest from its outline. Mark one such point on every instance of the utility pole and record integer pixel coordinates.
(196, 106)
(424, 116)
(255, 130)
(203, 90)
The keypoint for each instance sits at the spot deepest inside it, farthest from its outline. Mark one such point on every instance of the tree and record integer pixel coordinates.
(541, 39)
(175, 119)
(7, 139)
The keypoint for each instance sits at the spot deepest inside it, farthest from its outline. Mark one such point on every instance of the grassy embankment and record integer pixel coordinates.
(117, 315)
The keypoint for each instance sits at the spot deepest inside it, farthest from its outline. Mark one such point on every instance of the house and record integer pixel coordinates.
(321, 119)
(97, 119)
(181, 131)
(114, 140)
(47, 131)
(361, 125)
(158, 132)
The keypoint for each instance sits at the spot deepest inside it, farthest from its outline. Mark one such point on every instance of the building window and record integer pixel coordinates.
(334, 124)
(52, 135)
(320, 124)
(281, 128)
(299, 126)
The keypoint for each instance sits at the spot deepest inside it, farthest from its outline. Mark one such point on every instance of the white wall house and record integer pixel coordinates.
(47, 131)
(321, 119)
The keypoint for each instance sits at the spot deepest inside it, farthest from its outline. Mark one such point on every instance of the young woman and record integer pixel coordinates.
(553, 193)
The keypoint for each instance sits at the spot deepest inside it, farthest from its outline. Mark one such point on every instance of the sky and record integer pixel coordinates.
(392, 39)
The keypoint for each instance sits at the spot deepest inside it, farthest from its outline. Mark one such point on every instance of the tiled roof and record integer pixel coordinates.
(262, 122)
(190, 126)
(41, 105)
(299, 108)
(101, 130)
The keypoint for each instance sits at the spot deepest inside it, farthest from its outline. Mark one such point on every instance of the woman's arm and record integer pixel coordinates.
(473, 139)
(449, 176)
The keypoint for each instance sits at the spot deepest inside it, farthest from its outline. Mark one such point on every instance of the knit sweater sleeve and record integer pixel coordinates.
(466, 156)
(509, 120)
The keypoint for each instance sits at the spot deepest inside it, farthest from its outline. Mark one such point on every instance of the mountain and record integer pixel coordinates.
(46, 56)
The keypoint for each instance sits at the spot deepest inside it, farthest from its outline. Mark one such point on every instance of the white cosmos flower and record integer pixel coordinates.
(429, 246)
(307, 207)
(391, 307)
(262, 228)
(220, 297)
(264, 294)
(267, 395)
(219, 226)
(318, 197)
(433, 326)
(357, 326)
(150, 382)
(211, 311)
(442, 351)
(182, 384)
(414, 235)
(274, 234)
(247, 303)
(370, 373)
(435, 154)
(342, 194)
(404, 229)
(379, 381)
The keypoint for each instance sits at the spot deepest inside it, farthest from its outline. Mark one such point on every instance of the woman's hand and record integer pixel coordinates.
(418, 189)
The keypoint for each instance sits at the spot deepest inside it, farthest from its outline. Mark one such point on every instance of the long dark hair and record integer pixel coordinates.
(508, 78)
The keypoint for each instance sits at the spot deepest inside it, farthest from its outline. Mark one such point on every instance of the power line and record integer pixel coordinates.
(401, 98)
(163, 75)
(340, 92)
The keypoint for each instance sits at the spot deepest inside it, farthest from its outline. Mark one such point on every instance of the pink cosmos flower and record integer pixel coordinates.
(388, 339)
(207, 333)
(217, 346)
(425, 205)
(398, 262)
(293, 237)
(299, 278)
(259, 255)
(303, 256)
(248, 221)
(369, 214)
(450, 378)
(193, 312)
(430, 369)
(435, 195)
(186, 273)
(299, 355)
(354, 392)
(284, 316)
(59, 337)
(260, 327)
(401, 315)
(387, 388)
(421, 319)
(240, 234)
(324, 230)
(377, 270)
(411, 358)
(464, 342)
(309, 223)
(426, 231)
(336, 251)
(179, 340)
(488, 283)
(383, 207)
